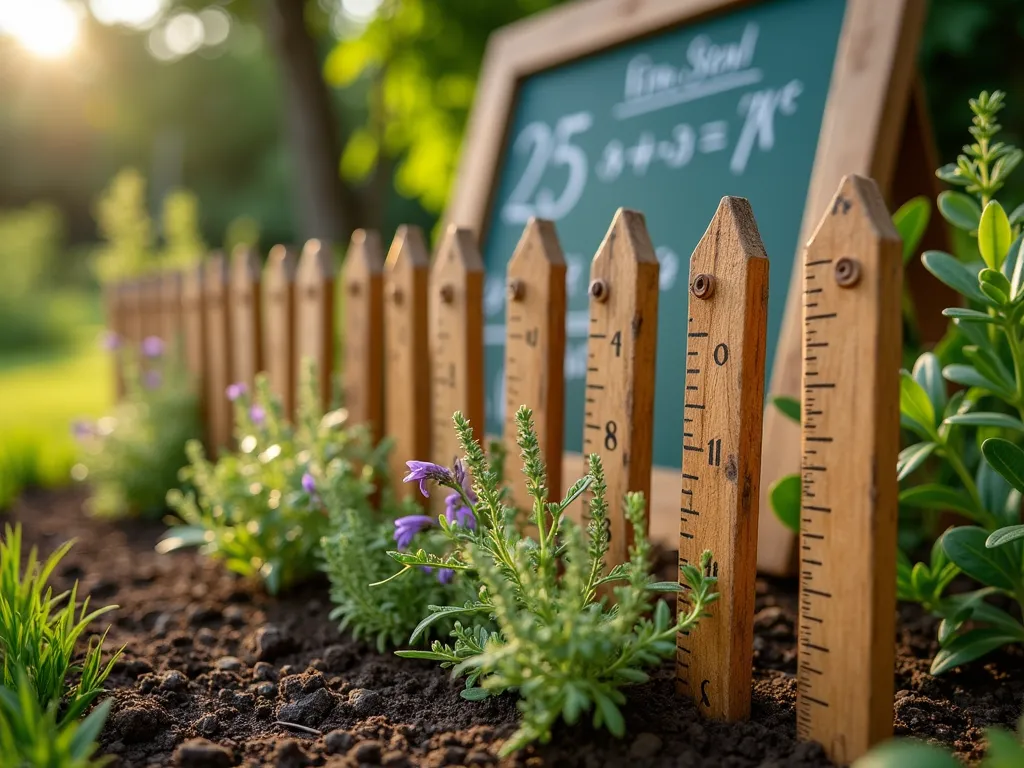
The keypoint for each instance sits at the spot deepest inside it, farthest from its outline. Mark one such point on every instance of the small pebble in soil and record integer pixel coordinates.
(289, 754)
(476, 757)
(338, 741)
(266, 690)
(368, 752)
(310, 710)
(174, 681)
(205, 636)
(271, 642)
(207, 725)
(162, 624)
(363, 701)
(394, 759)
(138, 721)
(198, 615)
(453, 755)
(234, 615)
(229, 663)
(200, 753)
(264, 671)
(645, 746)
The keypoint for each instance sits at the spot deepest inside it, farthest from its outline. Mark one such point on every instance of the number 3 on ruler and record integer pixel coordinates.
(548, 148)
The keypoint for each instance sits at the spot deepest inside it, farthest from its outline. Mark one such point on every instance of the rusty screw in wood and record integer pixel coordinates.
(396, 294)
(447, 293)
(703, 286)
(599, 290)
(353, 289)
(516, 289)
(847, 272)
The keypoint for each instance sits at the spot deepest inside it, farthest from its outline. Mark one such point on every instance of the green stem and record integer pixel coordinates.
(965, 477)
(1018, 366)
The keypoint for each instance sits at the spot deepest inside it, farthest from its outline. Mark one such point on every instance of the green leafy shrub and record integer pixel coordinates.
(40, 631)
(1004, 751)
(259, 508)
(33, 736)
(131, 457)
(556, 643)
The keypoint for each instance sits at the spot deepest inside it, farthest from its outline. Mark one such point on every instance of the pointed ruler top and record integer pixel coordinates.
(408, 250)
(722, 408)
(456, 341)
(849, 444)
(365, 257)
(535, 353)
(618, 419)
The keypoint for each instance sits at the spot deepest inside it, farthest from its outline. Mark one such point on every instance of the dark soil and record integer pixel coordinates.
(211, 664)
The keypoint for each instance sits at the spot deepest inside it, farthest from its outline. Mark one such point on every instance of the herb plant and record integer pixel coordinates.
(259, 509)
(964, 450)
(554, 640)
(131, 457)
(40, 633)
(33, 736)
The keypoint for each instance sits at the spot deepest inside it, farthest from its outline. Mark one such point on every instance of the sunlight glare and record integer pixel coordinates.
(184, 33)
(47, 28)
(361, 11)
(131, 13)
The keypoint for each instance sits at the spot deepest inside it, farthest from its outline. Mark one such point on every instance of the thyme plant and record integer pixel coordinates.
(262, 508)
(130, 458)
(538, 624)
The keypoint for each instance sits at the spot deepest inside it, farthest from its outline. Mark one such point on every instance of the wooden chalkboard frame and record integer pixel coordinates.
(869, 95)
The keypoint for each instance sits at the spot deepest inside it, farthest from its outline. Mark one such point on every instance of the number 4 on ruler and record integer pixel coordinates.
(722, 454)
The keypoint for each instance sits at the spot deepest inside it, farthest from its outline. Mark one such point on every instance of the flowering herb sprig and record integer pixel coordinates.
(537, 625)
(130, 457)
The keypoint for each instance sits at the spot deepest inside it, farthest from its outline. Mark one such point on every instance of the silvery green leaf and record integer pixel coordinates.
(953, 273)
(994, 234)
(969, 315)
(911, 221)
(915, 403)
(910, 458)
(1006, 459)
(987, 419)
(998, 297)
(1017, 216)
(928, 373)
(970, 646)
(1004, 536)
(950, 174)
(941, 497)
(969, 377)
(960, 210)
(965, 546)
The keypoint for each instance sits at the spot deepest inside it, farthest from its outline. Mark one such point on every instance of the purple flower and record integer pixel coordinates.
(422, 471)
(445, 575)
(257, 415)
(82, 430)
(152, 347)
(308, 483)
(455, 510)
(111, 341)
(407, 527)
(152, 379)
(235, 391)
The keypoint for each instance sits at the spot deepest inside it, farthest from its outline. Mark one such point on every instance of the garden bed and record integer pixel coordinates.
(209, 656)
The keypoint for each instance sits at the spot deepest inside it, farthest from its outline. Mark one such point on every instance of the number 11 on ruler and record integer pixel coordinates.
(722, 410)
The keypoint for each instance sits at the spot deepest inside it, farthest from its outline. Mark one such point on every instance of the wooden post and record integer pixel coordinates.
(171, 322)
(618, 419)
(363, 330)
(279, 338)
(195, 341)
(131, 306)
(850, 438)
(114, 308)
(218, 334)
(150, 307)
(314, 313)
(723, 406)
(456, 341)
(406, 340)
(535, 353)
(245, 306)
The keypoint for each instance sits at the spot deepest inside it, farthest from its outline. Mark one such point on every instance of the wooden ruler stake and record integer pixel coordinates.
(722, 410)
(279, 336)
(850, 438)
(246, 319)
(363, 364)
(535, 354)
(314, 313)
(618, 419)
(219, 412)
(407, 366)
(456, 341)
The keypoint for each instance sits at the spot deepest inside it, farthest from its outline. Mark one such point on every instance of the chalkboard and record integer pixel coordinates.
(666, 106)
(667, 125)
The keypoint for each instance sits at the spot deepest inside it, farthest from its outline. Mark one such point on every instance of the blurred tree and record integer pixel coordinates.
(183, 245)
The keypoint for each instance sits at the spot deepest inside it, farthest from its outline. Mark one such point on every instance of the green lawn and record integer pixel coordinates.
(40, 395)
